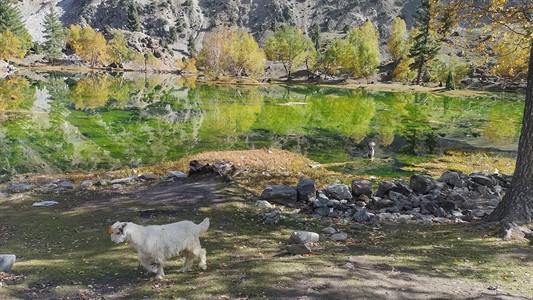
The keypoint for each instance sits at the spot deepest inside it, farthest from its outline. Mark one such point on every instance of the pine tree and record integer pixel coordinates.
(10, 19)
(315, 35)
(134, 20)
(55, 36)
(424, 47)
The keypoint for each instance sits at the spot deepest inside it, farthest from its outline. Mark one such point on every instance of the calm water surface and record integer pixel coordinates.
(57, 123)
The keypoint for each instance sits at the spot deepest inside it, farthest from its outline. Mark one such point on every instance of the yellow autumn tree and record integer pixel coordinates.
(511, 55)
(231, 51)
(88, 44)
(397, 44)
(9, 45)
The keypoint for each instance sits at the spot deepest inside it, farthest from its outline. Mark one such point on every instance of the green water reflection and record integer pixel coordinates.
(56, 123)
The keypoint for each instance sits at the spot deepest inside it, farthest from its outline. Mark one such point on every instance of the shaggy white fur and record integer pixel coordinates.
(157, 243)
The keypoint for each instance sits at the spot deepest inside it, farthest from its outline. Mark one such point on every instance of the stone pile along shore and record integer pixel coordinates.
(455, 197)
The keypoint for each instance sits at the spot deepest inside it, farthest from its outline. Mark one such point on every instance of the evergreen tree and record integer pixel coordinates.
(10, 19)
(134, 20)
(55, 36)
(315, 35)
(424, 47)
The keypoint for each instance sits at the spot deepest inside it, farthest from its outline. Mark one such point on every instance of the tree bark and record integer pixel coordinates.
(517, 204)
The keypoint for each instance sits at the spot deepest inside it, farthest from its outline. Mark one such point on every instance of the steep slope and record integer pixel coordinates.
(192, 18)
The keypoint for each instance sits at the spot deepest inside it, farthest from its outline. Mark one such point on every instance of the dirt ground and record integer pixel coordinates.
(351, 278)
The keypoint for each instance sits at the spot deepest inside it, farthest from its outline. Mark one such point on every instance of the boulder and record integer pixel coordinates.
(6, 262)
(306, 190)
(281, 194)
(298, 249)
(452, 178)
(483, 180)
(304, 237)
(338, 191)
(362, 215)
(421, 184)
(384, 187)
(361, 187)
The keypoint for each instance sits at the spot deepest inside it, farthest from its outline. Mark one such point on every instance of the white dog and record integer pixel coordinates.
(157, 243)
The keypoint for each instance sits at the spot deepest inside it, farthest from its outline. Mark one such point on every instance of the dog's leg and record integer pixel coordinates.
(146, 262)
(203, 259)
(160, 273)
(188, 261)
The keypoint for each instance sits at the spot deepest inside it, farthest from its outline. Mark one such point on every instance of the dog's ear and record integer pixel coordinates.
(122, 226)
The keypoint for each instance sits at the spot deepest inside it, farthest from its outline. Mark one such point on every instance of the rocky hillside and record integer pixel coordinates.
(191, 18)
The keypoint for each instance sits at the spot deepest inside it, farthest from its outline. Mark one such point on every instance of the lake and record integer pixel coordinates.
(57, 122)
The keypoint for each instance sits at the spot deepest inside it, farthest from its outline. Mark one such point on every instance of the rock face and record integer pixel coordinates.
(190, 18)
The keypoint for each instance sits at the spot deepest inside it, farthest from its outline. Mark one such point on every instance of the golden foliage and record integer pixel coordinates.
(10, 45)
(397, 45)
(13, 91)
(512, 54)
(231, 51)
(88, 44)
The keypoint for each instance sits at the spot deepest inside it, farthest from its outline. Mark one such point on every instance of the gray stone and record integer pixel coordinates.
(421, 184)
(329, 230)
(306, 190)
(102, 182)
(19, 188)
(6, 262)
(448, 205)
(338, 191)
(483, 180)
(384, 202)
(469, 204)
(271, 217)
(452, 178)
(304, 237)
(67, 184)
(148, 177)
(457, 198)
(340, 236)
(386, 217)
(429, 207)
(126, 180)
(362, 215)
(384, 187)
(397, 197)
(402, 188)
(86, 183)
(298, 249)
(263, 204)
(415, 202)
(177, 174)
(280, 194)
(361, 187)
(322, 200)
(404, 218)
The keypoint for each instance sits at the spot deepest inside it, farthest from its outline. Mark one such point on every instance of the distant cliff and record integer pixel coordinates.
(188, 20)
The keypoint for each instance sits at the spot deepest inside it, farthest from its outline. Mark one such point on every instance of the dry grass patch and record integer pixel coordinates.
(466, 162)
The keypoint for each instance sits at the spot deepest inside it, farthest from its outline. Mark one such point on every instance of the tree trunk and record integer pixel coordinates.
(420, 69)
(517, 204)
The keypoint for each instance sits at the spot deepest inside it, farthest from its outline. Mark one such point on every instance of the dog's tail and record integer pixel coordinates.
(204, 225)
